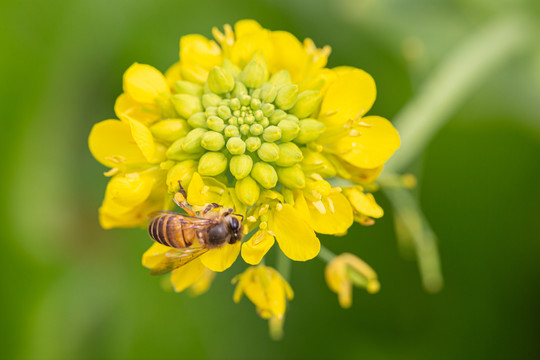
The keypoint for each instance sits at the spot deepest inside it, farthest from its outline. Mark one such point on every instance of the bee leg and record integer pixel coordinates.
(180, 199)
(210, 207)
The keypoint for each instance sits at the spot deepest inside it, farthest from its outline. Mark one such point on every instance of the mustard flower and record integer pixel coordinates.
(252, 121)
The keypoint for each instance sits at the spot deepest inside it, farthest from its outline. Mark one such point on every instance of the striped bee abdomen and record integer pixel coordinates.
(169, 230)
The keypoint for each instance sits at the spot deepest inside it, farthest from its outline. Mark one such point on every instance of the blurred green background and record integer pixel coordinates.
(71, 290)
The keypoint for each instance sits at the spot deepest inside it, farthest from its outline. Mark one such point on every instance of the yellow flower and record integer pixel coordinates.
(252, 121)
(267, 290)
(344, 271)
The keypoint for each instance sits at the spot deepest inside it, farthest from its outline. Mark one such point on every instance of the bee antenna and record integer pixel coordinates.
(242, 216)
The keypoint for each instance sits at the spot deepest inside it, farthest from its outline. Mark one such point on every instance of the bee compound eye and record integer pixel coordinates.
(234, 223)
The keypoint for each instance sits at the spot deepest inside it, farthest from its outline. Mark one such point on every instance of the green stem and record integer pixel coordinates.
(283, 265)
(423, 237)
(326, 255)
(453, 83)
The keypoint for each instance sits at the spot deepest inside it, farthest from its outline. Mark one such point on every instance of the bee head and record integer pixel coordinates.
(235, 224)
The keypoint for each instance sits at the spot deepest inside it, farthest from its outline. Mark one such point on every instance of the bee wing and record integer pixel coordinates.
(188, 222)
(176, 258)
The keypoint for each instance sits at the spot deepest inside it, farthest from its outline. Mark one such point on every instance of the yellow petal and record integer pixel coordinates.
(205, 190)
(203, 284)
(295, 237)
(255, 248)
(144, 82)
(196, 49)
(126, 108)
(173, 74)
(365, 203)
(245, 48)
(143, 138)
(351, 95)
(154, 255)
(372, 147)
(289, 54)
(222, 258)
(112, 145)
(246, 27)
(130, 190)
(187, 275)
(337, 218)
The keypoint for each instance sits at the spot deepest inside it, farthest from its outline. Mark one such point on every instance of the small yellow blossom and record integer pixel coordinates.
(344, 271)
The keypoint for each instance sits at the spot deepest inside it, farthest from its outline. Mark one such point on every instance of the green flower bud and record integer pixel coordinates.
(272, 133)
(235, 104)
(268, 109)
(247, 190)
(240, 166)
(224, 112)
(255, 104)
(245, 100)
(236, 146)
(239, 89)
(306, 103)
(292, 177)
(244, 129)
(254, 74)
(170, 129)
(212, 164)
(256, 129)
(256, 94)
(264, 122)
(268, 152)
(232, 120)
(230, 68)
(197, 120)
(310, 130)
(289, 130)
(268, 93)
(211, 100)
(186, 105)
(286, 97)
(316, 162)
(258, 115)
(231, 131)
(250, 119)
(265, 174)
(220, 81)
(253, 143)
(212, 141)
(175, 152)
(277, 116)
(186, 87)
(211, 111)
(281, 78)
(183, 172)
(289, 154)
(215, 123)
(192, 141)
(292, 118)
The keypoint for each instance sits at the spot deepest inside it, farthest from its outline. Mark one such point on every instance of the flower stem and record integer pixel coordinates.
(454, 81)
(421, 234)
(326, 255)
(283, 265)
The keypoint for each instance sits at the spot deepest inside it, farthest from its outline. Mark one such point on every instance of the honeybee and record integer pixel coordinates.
(190, 236)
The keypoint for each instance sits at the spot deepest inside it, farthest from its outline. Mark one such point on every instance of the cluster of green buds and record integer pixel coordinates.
(241, 127)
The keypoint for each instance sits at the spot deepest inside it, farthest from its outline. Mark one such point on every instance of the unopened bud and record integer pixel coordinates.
(186, 105)
(265, 174)
(231, 131)
(192, 141)
(236, 146)
(277, 116)
(197, 120)
(255, 104)
(292, 177)
(272, 133)
(235, 104)
(289, 154)
(169, 129)
(229, 67)
(175, 152)
(211, 111)
(254, 74)
(310, 130)
(289, 130)
(316, 162)
(239, 89)
(212, 141)
(187, 87)
(212, 164)
(268, 109)
(220, 81)
(183, 171)
(245, 100)
(247, 190)
(306, 103)
(240, 166)
(286, 97)
(253, 143)
(211, 100)
(244, 129)
(268, 152)
(256, 129)
(268, 93)
(281, 78)
(215, 123)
